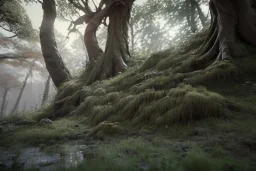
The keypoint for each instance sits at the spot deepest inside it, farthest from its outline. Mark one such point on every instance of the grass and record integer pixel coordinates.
(156, 155)
(60, 130)
(151, 108)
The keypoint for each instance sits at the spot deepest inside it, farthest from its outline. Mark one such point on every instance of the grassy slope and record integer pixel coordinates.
(160, 115)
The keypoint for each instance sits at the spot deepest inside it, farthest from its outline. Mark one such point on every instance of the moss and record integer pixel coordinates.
(194, 104)
(223, 70)
(100, 113)
(155, 59)
(61, 130)
(128, 110)
(139, 154)
(68, 89)
(105, 129)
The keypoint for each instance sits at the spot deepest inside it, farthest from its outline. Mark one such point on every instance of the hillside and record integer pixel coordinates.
(160, 115)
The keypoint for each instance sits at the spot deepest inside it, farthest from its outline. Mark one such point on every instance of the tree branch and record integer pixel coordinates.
(77, 6)
(11, 56)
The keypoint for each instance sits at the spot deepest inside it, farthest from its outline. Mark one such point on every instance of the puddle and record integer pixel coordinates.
(35, 157)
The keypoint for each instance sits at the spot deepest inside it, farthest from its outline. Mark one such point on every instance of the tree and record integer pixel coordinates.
(73, 55)
(46, 90)
(154, 25)
(146, 34)
(7, 82)
(54, 64)
(117, 53)
(22, 88)
(14, 19)
(116, 56)
(232, 21)
(189, 10)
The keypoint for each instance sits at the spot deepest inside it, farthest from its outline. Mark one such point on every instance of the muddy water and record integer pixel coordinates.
(35, 157)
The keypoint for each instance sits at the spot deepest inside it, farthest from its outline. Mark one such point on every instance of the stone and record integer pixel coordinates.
(46, 121)
(25, 122)
(248, 83)
(182, 146)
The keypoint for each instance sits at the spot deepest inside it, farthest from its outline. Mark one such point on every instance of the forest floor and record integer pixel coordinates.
(152, 117)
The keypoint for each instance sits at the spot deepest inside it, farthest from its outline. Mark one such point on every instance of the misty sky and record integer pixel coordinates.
(35, 13)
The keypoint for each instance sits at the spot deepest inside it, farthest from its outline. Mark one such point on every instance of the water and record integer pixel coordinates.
(35, 157)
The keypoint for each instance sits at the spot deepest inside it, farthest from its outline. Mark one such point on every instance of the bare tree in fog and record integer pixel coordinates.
(23, 87)
(7, 82)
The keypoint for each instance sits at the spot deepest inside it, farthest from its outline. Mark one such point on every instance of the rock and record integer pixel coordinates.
(182, 146)
(143, 165)
(25, 122)
(46, 121)
(248, 83)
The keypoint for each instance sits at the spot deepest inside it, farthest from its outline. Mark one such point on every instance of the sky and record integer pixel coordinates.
(35, 13)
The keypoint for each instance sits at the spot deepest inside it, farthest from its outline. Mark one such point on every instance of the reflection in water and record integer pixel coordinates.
(34, 157)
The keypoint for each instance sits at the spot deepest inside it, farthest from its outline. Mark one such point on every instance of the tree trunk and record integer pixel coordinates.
(132, 37)
(4, 102)
(81, 36)
(202, 18)
(16, 105)
(193, 25)
(231, 20)
(54, 64)
(117, 53)
(46, 90)
(90, 40)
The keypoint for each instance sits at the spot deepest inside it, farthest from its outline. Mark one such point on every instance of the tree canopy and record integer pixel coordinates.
(14, 19)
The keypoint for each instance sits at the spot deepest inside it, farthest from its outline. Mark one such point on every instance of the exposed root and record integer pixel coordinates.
(230, 19)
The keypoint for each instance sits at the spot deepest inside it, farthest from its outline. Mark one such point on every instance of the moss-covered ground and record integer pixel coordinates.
(161, 115)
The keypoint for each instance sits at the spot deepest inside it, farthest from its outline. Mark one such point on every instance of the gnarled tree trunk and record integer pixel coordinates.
(117, 53)
(232, 20)
(54, 64)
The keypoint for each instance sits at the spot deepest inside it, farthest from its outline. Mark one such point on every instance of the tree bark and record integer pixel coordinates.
(231, 20)
(54, 64)
(202, 18)
(4, 102)
(46, 90)
(117, 53)
(193, 25)
(132, 37)
(90, 40)
(16, 105)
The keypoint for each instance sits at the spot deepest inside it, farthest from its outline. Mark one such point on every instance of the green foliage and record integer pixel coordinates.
(139, 154)
(60, 130)
(15, 19)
